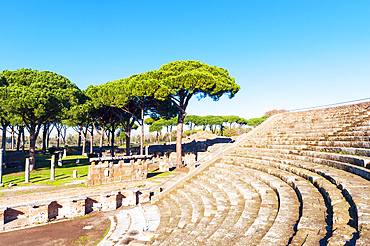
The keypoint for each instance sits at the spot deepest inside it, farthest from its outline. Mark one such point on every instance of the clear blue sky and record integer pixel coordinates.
(283, 54)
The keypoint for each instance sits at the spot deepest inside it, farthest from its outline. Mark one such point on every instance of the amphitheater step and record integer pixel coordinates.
(311, 227)
(339, 206)
(134, 225)
(282, 229)
(355, 189)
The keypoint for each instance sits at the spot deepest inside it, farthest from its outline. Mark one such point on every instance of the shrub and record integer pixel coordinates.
(230, 132)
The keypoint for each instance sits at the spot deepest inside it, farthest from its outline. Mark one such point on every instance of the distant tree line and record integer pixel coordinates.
(210, 122)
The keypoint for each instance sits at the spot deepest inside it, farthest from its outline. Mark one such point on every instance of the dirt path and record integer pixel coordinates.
(62, 233)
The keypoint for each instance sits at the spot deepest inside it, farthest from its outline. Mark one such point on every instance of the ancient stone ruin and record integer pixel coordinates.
(117, 169)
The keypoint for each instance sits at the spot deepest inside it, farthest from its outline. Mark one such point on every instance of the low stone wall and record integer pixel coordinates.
(107, 172)
(71, 207)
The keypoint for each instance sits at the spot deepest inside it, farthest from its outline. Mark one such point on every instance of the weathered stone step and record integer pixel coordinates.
(360, 161)
(210, 209)
(312, 223)
(342, 232)
(266, 214)
(282, 228)
(355, 188)
(347, 144)
(172, 223)
(186, 212)
(252, 203)
(223, 208)
(236, 205)
(195, 218)
(165, 215)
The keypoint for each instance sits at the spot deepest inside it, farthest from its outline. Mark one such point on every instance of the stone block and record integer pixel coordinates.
(38, 213)
(108, 202)
(77, 207)
(129, 198)
(189, 159)
(164, 166)
(143, 196)
(172, 157)
(2, 217)
(63, 208)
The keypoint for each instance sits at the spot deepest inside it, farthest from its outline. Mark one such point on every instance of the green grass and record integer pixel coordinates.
(41, 174)
(158, 174)
(82, 239)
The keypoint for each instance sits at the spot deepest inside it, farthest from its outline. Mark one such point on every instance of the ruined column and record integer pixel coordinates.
(75, 174)
(27, 171)
(1, 168)
(52, 168)
(146, 150)
(60, 163)
(65, 153)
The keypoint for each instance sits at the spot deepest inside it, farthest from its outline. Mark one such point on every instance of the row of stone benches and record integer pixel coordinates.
(351, 183)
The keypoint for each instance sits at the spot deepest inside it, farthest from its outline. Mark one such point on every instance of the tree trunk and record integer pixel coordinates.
(84, 142)
(128, 138)
(112, 142)
(19, 138)
(92, 141)
(108, 133)
(58, 136)
(170, 134)
(101, 143)
(33, 137)
(44, 135)
(47, 140)
(142, 133)
(64, 136)
(79, 137)
(3, 142)
(12, 137)
(180, 125)
(23, 140)
(101, 138)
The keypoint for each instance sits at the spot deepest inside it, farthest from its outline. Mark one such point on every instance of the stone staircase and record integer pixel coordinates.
(298, 179)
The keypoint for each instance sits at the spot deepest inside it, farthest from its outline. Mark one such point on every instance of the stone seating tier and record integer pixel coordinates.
(355, 188)
(298, 179)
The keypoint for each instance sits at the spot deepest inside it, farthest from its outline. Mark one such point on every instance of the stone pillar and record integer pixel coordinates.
(52, 168)
(65, 153)
(146, 150)
(74, 174)
(27, 171)
(60, 163)
(1, 168)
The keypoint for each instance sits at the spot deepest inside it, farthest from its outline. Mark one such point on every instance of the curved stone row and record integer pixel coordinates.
(137, 225)
(282, 228)
(312, 225)
(233, 211)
